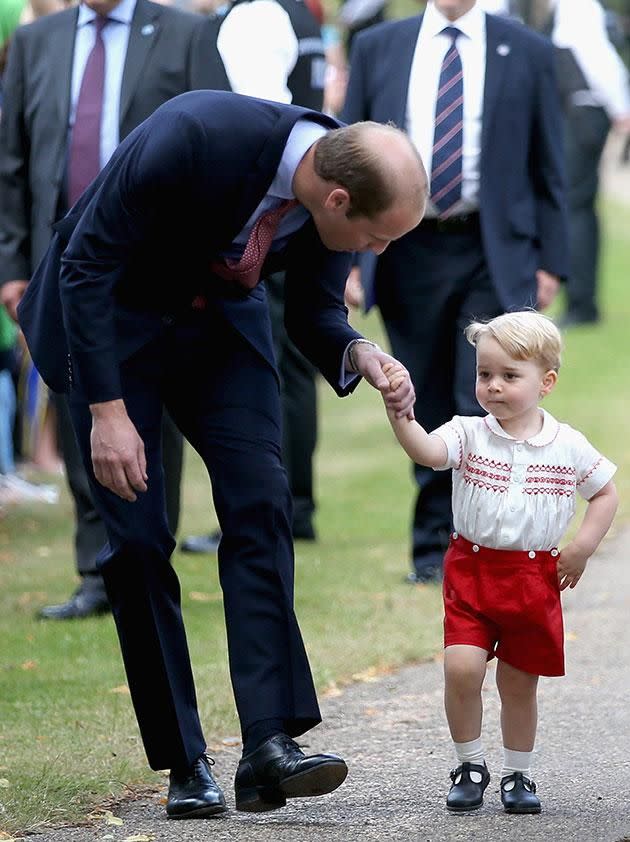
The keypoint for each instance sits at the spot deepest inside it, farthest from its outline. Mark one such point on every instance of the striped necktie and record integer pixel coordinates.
(446, 167)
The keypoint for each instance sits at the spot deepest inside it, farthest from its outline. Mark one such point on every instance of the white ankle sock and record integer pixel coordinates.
(516, 761)
(470, 752)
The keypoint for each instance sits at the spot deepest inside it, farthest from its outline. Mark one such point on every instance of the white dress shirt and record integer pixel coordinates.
(430, 50)
(116, 39)
(259, 49)
(512, 494)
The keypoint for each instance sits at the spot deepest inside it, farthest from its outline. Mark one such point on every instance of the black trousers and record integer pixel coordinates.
(430, 284)
(90, 534)
(225, 400)
(298, 393)
(585, 137)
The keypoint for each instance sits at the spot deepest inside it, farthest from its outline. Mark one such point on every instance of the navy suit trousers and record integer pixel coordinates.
(225, 399)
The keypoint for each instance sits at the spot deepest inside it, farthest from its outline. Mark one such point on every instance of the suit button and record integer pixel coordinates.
(167, 321)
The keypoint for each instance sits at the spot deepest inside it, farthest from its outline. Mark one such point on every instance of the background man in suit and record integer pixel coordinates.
(274, 49)
(150, 53)
(477, 96)
(202, 192)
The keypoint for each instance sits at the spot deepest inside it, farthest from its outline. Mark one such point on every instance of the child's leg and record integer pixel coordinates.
(464, 672)
(519, 718)
(519, 708)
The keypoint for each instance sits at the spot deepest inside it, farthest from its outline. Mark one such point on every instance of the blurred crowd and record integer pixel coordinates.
(347, 64)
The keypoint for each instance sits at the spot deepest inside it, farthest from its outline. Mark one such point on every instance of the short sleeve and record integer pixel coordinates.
(454, 436)
(593, 470)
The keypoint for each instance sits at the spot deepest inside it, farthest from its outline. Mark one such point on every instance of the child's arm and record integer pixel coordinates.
(423, 448)
(597, 520)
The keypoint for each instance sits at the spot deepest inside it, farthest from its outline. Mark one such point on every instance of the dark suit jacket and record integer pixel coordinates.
(174, 195)
(164, 59)
(521, 200)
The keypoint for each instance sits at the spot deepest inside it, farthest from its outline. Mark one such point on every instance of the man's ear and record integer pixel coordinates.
(338, 200)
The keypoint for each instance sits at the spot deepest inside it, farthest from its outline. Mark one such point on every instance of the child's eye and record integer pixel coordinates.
(510, 376)
(482, 375)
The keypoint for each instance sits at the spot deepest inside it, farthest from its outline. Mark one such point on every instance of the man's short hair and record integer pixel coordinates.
(344, 156)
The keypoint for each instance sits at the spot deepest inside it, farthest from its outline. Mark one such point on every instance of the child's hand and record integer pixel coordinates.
(395, 374)
(571, 564)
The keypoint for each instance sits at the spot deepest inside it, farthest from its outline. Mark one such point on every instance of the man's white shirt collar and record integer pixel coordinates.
(122, 13)
(547, 434)
(472, 24)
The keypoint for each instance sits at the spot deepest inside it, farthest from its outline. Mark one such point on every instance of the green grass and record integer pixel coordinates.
(68, 737)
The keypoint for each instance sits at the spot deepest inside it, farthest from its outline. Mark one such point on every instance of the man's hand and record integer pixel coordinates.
(370, 361)
(11, 294)
(117, 450)
(548, 286)
(571, 565)
(354, 289)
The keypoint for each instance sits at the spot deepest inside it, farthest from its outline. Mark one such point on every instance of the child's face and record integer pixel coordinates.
(508, 388)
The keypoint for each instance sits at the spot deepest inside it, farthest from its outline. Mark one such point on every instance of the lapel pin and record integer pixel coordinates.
(147, 29)
(503, 49)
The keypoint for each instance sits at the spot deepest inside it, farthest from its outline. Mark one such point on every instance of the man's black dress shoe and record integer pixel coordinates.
(518, 794)
(83, 603)
(466, 794)
(278, 770)
(194, 793)
(202, 543)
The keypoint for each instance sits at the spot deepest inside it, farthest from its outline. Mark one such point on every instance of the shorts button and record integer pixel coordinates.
(475, 548)
(455, 536)
(554, 552)
(531, 554)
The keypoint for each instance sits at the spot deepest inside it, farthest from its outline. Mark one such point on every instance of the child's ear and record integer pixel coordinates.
(550, 378)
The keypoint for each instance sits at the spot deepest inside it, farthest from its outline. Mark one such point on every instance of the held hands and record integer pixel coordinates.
(571, 565)
(370, 361)
(547, 286)
(11, 294)
(117, 450)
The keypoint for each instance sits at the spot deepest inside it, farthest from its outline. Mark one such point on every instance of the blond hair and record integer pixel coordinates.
(524, 335)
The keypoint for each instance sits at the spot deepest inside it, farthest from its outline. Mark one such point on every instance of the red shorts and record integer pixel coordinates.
(506, 602)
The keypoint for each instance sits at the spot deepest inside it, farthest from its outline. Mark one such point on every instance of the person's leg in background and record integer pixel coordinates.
(587, 129)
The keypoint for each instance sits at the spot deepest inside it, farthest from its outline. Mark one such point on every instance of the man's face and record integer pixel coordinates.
(102, 7)
(339, 232)
(453, 9)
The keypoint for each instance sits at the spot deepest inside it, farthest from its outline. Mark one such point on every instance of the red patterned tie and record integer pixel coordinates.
(246, 271)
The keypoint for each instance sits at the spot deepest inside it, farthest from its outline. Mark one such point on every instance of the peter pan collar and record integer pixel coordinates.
(547, 434)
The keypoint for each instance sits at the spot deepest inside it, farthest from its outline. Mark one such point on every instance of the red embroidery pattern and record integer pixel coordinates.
(488, 479)
(553, 480)
(592, 471)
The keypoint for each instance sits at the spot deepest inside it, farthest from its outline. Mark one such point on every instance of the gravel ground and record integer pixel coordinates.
(393, 734)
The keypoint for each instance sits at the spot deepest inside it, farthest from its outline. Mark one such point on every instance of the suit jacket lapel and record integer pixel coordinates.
(60, 57)
(145, 28)
(498, 48)
(405, 50)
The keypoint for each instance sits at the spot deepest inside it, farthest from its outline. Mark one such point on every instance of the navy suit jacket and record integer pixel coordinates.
(138, 245)
(521, 199)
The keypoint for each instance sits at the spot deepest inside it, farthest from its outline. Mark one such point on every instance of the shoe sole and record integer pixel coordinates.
(464, 809)
(200, 812)
(321, 780)
(531, 811)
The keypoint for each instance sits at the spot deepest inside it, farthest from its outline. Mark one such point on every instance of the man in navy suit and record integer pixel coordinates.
(153, 277)
(476, 95)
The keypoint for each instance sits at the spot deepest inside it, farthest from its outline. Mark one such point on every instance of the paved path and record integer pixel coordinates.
(394, 736)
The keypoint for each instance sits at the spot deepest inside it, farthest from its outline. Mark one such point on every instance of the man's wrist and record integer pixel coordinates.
(351, 347)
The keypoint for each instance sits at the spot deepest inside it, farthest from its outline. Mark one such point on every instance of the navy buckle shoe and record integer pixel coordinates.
(518, 794)
(278, 769)
(466, 794)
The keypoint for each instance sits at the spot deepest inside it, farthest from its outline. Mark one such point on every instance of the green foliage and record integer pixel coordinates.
(68, 737)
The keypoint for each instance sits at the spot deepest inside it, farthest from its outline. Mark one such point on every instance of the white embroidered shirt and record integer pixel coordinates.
(519, 495)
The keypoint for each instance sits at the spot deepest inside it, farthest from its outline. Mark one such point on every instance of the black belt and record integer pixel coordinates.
(452, 224)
